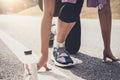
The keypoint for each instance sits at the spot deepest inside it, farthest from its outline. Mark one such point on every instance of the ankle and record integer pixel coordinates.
(107, 50)
(59, 44)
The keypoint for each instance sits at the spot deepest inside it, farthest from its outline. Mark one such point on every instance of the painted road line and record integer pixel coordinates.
(18, 49)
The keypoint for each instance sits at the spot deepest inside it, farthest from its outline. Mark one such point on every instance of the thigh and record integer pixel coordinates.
(47, 5)
(58, 5)
(107, 5)
(70, 12)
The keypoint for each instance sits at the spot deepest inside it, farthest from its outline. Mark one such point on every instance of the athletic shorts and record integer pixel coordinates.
(69, 12)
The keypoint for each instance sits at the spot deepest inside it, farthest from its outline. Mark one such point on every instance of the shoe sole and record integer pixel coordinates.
(61, 65)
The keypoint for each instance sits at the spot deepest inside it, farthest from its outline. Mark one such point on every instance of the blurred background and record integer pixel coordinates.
(15, 6)
(30, 8)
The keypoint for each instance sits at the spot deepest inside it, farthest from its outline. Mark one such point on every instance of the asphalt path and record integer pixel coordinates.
(89, 66)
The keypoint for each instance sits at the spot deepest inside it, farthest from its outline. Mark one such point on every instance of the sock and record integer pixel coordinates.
(58, 44)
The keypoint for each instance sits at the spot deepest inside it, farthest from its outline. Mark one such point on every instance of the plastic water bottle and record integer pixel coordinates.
(30, 68)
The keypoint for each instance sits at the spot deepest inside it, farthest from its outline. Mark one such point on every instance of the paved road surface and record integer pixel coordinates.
(89, 66)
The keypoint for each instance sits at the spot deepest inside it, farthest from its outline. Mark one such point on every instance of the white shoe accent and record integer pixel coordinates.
(60, 65)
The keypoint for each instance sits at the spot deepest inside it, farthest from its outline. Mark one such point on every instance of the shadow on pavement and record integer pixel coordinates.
(93, 68)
